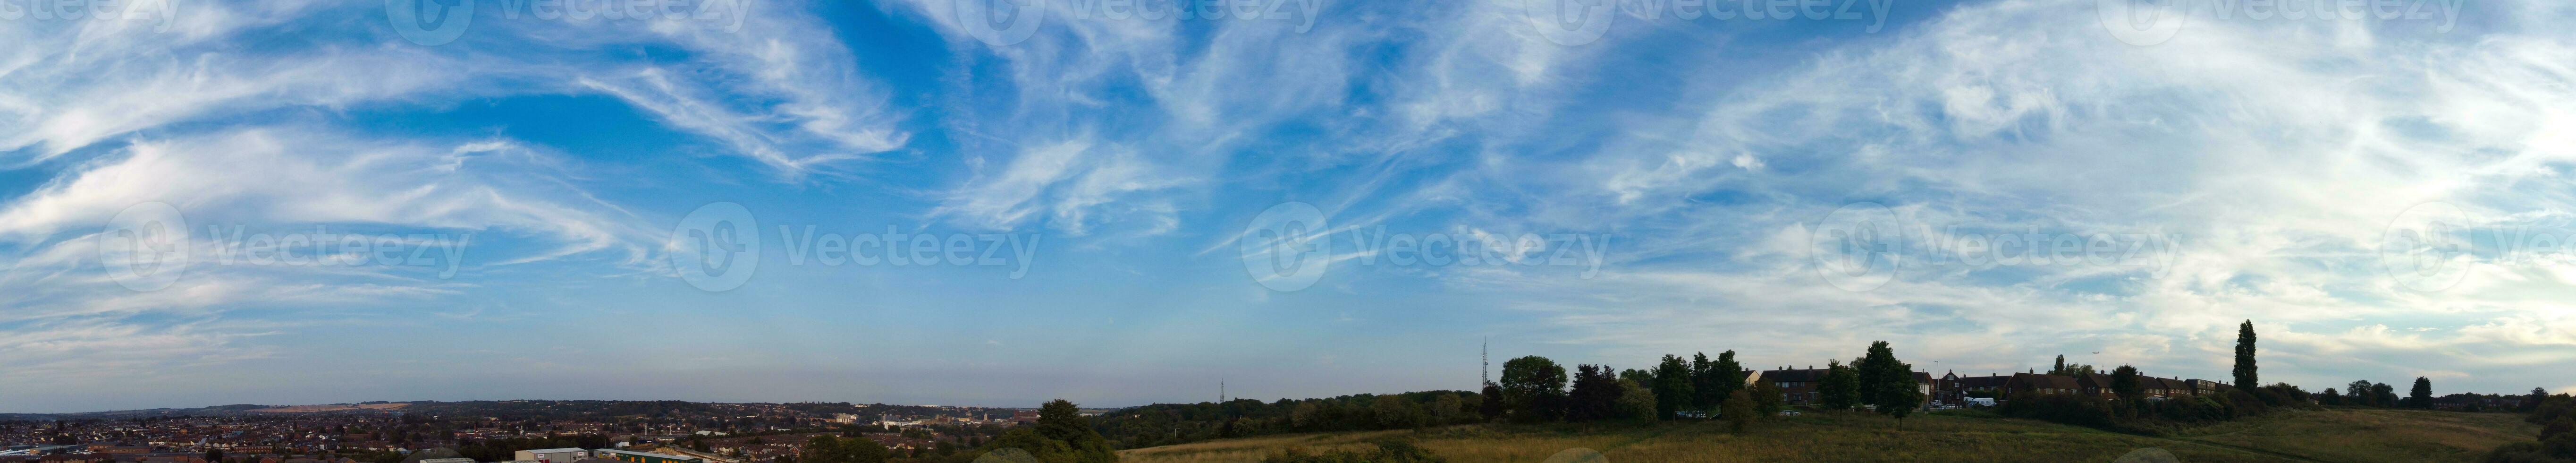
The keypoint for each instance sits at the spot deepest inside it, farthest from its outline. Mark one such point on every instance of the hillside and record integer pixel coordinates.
(2340, 435)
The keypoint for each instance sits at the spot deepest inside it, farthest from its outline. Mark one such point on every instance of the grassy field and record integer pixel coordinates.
(2333, 435)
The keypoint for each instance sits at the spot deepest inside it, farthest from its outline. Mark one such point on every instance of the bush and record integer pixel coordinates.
(2552, 409)
(2074, 409)
(2557, 443)
(2191, 409)
(1738, 412)
(2524, 452)
(2520, 452)
(2141, 416)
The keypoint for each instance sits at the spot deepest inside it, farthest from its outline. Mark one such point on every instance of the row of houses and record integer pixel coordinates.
(1799, 386)
(2464, 402)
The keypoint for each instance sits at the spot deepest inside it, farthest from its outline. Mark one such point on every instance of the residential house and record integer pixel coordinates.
(2202, 386)
(2043, 384)
(1956, 389)
(1797, 386)
(2167, 387)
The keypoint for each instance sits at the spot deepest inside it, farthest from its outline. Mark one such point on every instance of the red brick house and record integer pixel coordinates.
(2043, 384)
(1798, 386)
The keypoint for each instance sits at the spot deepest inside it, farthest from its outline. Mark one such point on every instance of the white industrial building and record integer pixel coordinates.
(561, 455)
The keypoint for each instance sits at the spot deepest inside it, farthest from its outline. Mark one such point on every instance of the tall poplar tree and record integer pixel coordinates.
(2245, 377)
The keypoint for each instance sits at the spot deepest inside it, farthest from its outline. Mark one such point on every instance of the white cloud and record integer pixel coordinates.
(2279, 165)
(779, 89)
(66, 313)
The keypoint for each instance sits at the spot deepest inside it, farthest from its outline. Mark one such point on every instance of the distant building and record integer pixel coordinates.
(1957, 389)
(641, 457)
(1024, 417)
(2202, 386)
(2167, 387)
(561, 455)
(2042, 384)
(1798, 386)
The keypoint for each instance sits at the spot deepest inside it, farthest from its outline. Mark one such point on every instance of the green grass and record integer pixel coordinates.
(2332, 435)
(2371, 435)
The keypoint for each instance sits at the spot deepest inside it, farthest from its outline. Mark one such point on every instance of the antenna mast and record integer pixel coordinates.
(1485, 354)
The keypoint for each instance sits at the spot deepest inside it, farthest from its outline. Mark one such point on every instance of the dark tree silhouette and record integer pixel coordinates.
(2421, 396)
(2245, 376)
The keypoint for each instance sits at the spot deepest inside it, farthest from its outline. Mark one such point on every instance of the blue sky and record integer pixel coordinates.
(2384, 192)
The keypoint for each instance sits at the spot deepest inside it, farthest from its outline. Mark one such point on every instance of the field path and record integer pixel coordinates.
(1658, 432)
(2258, 451)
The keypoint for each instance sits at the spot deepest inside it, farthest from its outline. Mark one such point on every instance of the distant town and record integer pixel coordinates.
(517, 431)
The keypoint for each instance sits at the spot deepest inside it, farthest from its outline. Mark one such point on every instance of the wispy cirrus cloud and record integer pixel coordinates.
(2279, 165)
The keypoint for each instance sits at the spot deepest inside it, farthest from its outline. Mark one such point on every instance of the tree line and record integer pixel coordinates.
(2557, 442)
(1534, 389)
